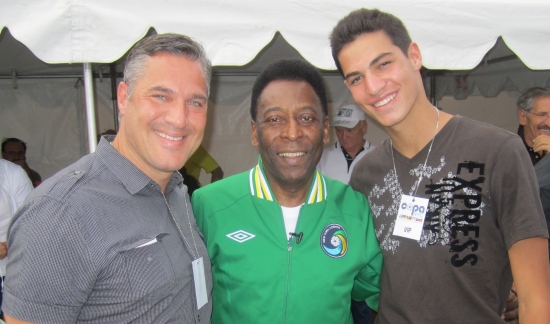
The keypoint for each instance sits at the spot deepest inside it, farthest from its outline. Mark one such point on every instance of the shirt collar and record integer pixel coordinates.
(131, 177)
(260, 188)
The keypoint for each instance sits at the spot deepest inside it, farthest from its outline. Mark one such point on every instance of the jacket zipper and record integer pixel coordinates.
(289, 264)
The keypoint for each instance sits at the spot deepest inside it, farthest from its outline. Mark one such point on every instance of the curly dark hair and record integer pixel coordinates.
(291, 70)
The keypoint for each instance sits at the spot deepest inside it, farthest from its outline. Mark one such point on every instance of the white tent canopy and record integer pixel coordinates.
(453, 34)
(500, 70)
(49, 114)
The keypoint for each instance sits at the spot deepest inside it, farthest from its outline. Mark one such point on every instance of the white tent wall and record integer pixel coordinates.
(500, 111)
(49, 115)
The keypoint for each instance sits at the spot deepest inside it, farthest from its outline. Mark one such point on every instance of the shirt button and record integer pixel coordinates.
(77, 172)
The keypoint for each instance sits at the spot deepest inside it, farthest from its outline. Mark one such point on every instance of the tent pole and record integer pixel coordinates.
(90, 107)
(433, 98)
(112, 70)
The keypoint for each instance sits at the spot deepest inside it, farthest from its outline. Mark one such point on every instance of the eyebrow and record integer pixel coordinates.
(371, 64)
(272, 109)
(199, 96)
(168, 90)
(277, 108)
(161, 89)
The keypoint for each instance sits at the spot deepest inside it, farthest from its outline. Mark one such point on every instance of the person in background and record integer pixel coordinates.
(202, 160)
(112, 238)
(15, 150)
(338, 160)
(534, 128)
(288, 245)
(455, 206)
(15, 186)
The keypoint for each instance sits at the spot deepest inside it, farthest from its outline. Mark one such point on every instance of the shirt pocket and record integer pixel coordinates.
(148, 268)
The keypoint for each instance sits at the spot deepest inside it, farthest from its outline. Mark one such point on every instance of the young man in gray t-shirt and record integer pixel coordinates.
(455, 210)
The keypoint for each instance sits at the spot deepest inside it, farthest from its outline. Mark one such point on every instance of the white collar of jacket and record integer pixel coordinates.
(259, 186)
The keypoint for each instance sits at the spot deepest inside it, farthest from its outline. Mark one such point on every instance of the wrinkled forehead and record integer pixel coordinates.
(541, 105)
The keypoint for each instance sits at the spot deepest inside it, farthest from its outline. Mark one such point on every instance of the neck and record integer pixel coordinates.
(411, 135)
(290, 195)
(161, 179)
(529, 140)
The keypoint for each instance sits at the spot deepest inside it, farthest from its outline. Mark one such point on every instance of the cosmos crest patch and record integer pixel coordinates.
(334, 241)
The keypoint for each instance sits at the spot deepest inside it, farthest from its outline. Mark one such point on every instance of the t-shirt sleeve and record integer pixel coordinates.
(50, 272)
(514, 194)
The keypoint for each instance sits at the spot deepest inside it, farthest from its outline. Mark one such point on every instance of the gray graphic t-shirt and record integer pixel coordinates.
(482, 199)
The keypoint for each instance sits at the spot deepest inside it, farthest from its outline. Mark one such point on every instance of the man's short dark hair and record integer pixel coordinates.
(13, 140)
(526, 100)
(365, 21)
(290, 70)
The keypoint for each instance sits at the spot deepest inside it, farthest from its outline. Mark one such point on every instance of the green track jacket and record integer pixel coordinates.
(261, 277)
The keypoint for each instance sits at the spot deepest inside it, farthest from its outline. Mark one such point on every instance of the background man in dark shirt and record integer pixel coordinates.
(534, 128)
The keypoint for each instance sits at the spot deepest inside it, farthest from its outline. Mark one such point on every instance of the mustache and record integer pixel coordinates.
(543, 127)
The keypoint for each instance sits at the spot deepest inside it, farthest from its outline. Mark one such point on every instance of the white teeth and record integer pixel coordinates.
(292, 154)
(169, 137)
(385, 101)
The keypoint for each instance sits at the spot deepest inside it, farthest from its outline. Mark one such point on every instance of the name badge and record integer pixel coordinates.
(200, 282)
(410, 217)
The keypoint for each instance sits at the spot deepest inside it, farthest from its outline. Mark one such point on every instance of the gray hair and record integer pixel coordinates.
(526, 100)
(170, 43)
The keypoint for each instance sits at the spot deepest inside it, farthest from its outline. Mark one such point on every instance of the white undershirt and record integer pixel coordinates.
(290, 216)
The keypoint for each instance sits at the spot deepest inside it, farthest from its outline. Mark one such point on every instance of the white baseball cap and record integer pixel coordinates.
(348, 115)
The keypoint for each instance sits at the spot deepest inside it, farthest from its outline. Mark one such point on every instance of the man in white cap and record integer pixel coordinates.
(339, 159)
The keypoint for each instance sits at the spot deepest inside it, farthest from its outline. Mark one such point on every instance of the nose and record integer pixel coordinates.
(345, 136)
(373, 84)
(291, 130)
(177, 114)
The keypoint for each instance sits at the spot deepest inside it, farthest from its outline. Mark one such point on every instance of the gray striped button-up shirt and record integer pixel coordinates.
(97, 243)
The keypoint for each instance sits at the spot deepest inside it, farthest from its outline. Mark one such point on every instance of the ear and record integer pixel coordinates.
(415, 56)
(522, 116)
(326, 128)
(122, 97)
(255, 140)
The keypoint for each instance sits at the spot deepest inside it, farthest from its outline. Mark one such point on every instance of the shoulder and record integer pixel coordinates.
(220, 194)
(68, 182)
(473, 129)
(331, 149)
(12, 172)
(346, 199)
(330, 153)
(488, 142)
(376, 155)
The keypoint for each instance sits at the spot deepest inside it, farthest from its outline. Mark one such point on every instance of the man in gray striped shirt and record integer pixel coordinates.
(112, 238)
